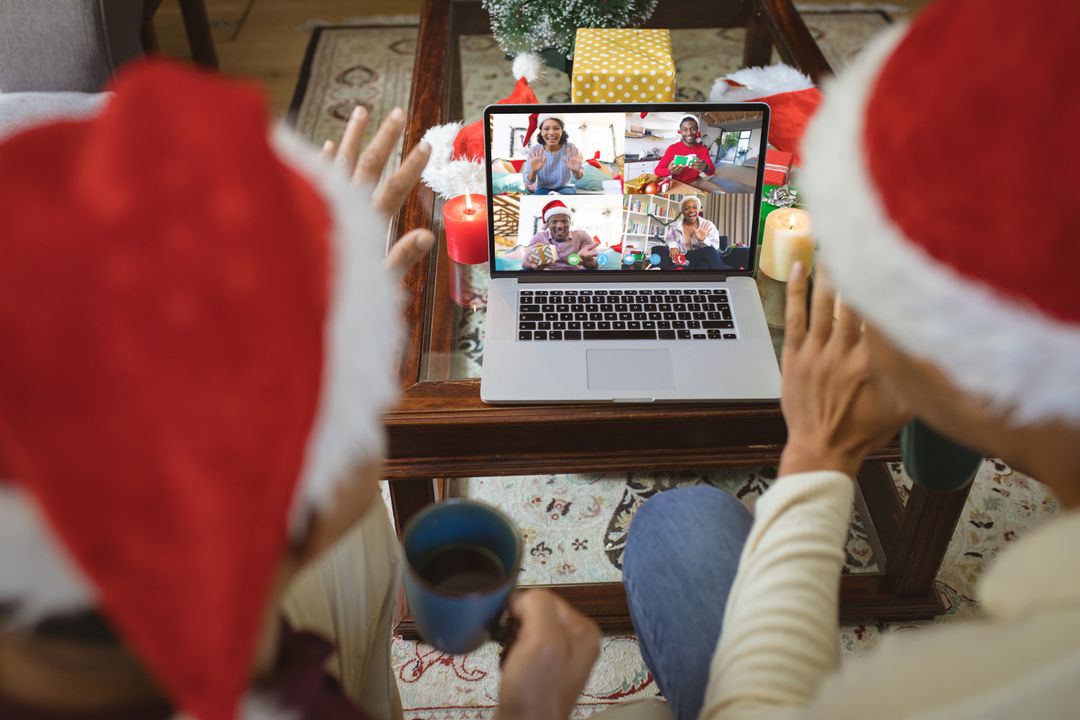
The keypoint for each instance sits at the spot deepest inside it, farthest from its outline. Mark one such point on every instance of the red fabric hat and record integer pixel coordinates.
(553, 208)
(791, 96)
(182, 329)
(457, 150)
(967, 265)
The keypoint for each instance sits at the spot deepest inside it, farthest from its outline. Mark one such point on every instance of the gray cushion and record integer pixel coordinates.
(66, 45)
(19, 111)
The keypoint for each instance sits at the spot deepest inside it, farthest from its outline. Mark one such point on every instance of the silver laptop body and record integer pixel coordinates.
(680, 326)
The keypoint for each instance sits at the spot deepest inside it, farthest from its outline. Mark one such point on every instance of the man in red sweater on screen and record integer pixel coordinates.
(697, 171)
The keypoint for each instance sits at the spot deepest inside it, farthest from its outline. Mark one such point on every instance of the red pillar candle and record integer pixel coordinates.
(465, 221)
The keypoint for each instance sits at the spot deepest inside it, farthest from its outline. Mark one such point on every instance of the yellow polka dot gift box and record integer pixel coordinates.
(616, 65)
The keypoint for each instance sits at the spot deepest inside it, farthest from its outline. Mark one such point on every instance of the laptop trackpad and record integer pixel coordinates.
(622, 370)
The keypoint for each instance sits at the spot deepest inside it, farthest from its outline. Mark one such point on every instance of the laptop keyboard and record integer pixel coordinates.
(678, 314)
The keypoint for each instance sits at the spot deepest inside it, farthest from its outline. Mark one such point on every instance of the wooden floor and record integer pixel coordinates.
(265, 39)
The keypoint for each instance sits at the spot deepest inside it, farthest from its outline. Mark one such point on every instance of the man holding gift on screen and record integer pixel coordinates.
(557, 247)
(688, 160)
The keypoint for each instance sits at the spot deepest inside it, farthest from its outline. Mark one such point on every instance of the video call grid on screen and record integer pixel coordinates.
(638, 189)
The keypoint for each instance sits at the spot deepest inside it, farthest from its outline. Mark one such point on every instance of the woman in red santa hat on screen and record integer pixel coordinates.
(197, 352)
(553, 162)
(980, 340)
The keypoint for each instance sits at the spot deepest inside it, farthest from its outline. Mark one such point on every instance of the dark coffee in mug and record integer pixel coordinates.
(461, 569)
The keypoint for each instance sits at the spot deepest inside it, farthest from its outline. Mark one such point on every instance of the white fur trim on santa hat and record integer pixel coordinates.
(448, 177)
(759, 82)
(528, 65)
(552, 209)
(1021, 362)
(36, 571)
(363, 335)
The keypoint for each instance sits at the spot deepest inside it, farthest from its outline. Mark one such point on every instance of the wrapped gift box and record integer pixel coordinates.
(617, 65)
(777, 167)
(544, 254)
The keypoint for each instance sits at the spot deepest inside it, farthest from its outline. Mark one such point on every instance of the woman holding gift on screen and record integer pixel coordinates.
(553, 163)
(694, 238)
(688, 160)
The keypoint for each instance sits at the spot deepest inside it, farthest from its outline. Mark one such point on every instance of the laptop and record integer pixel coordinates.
(622, 243)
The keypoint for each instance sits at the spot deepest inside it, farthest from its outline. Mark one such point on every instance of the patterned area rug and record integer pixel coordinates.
(575, 525)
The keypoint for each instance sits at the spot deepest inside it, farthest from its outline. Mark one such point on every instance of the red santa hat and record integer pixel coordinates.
(553, 208)
(791, 96)
(697, 122)
(198, 341)
(536, 121)
(457, 150)
(940, 233)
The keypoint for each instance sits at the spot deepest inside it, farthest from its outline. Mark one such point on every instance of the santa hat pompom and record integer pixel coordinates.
(528, 66)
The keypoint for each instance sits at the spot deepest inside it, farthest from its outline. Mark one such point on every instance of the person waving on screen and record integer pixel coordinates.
(554, 162)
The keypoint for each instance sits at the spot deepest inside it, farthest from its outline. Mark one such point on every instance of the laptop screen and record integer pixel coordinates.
(657, 188)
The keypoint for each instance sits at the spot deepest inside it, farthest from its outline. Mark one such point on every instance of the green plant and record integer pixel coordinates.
(521, 25)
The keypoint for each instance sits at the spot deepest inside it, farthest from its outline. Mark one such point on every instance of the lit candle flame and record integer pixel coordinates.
(791, 221)
(468, 204)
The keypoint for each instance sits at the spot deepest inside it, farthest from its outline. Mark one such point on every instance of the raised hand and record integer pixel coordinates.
(545, 669)
(573, 162)
(702, 230)
(365, 166)
(589, 252)
(537, 161)
(837, 408)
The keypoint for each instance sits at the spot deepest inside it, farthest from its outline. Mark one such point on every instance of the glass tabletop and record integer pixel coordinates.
(453, 342)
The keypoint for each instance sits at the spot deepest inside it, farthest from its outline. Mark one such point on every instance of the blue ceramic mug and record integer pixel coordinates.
(462, 560)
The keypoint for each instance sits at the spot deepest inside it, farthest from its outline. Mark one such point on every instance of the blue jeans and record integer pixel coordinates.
(568, 190)
(680, 560)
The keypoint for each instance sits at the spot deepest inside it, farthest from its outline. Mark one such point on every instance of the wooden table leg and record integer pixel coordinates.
(197, 28)
(758, 48)
(930, 518)
(408, 497)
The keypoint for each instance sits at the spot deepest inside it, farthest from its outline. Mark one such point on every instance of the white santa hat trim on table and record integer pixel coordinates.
(554, 208)
(970, 268)
(299, 207)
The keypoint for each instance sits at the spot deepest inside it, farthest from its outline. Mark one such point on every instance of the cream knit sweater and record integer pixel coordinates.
(778, 654)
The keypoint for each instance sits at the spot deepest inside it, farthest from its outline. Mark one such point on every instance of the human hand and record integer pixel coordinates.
(545, 668)
(589, 251)
(698, 165)
(365, 166)
(836, 406)
(702, 230)
(680, 169)
(672, 253)
(573, 162)
(537, 161)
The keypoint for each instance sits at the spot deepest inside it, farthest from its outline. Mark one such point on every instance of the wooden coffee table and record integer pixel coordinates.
(442, 430)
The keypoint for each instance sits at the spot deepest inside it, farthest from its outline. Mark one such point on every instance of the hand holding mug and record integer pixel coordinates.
(545, 668)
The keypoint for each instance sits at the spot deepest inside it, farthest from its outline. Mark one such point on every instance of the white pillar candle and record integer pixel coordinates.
(787, 239)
